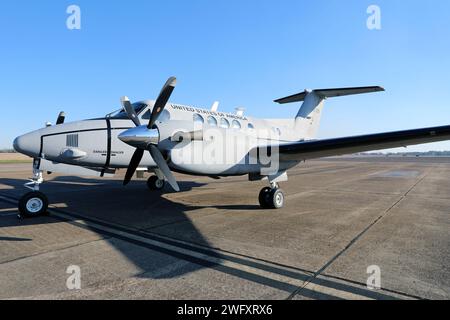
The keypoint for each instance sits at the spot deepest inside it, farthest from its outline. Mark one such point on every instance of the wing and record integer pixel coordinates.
(304, 150)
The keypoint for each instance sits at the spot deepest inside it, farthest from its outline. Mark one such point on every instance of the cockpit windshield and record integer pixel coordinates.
(121, 114)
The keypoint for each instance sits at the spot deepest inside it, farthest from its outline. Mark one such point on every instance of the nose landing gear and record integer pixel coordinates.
(271, 197)
(33, 203)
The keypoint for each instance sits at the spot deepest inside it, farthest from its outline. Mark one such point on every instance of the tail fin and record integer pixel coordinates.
(308, 117)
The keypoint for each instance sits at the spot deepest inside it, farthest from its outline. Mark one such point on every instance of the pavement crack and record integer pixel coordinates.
(53, 250)
(354, 240)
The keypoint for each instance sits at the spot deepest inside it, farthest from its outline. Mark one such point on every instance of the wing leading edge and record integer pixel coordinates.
(304, 150)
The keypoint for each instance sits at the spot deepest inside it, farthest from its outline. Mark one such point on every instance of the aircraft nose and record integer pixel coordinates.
(28, 144)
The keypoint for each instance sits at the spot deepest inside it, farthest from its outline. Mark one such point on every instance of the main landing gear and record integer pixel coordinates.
(155, 183)
(271, 197)
(33, 203)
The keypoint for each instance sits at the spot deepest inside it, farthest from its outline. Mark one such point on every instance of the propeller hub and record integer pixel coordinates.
(147, 137)
(140, 137)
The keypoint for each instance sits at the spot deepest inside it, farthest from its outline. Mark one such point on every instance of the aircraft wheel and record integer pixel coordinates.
(264, 197)
(33, 204)
(153, 183)
(277, 199)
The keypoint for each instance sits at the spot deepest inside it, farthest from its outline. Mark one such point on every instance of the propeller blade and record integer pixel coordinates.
(134, 163)
(162, 99)
(130, 111)
(61, 118)
(159, 159)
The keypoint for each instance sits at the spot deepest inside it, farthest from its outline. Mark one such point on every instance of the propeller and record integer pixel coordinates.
(159, 159)
(161, 102)
(147, 137)
(134, 163)
(130, 110)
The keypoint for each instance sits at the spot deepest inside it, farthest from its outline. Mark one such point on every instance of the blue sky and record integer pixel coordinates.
(242, 53)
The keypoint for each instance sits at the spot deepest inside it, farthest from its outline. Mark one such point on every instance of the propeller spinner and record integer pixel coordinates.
(147, 137)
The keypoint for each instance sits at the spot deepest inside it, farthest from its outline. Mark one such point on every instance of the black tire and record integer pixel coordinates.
(33, 204)
(264, 197)
(277, 198)
(153, 183)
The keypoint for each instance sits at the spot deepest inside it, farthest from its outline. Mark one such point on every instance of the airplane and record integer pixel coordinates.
(162, 137)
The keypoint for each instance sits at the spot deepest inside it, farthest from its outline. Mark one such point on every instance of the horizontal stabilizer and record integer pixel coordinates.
(328, 93)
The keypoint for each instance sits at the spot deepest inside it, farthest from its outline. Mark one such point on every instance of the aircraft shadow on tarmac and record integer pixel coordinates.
(133, 207)
(150, 213)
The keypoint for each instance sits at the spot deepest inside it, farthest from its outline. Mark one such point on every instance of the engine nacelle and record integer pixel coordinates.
(221, 151)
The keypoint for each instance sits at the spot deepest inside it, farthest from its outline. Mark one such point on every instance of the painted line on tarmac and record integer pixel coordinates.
(264, 274)
(279, 277)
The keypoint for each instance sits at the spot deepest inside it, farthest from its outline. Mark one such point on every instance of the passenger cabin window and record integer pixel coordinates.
(235, 124)
(212, 121)
(224, 123)
(198, 119)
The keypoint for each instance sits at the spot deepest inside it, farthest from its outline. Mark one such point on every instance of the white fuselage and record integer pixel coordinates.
(227, 139)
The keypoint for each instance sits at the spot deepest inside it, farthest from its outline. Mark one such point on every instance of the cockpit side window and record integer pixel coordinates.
(164, 116)
(146, 115)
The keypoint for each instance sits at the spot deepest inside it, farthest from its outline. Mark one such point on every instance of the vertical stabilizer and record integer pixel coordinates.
(307, 120)
(308, 117)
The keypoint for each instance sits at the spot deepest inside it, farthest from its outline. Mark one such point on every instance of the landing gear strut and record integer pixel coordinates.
(271, 197)
(33, 203)
(154, 183)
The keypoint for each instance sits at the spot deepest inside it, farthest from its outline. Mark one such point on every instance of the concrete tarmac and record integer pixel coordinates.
(343, 218)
